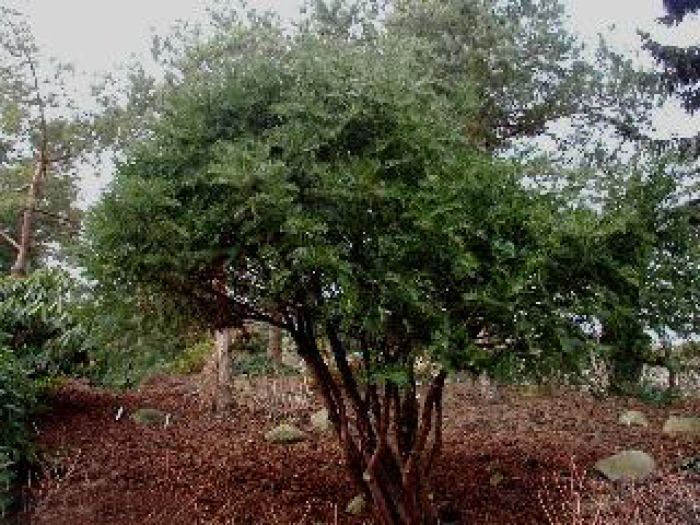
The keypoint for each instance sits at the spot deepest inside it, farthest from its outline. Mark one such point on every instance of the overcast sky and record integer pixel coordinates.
(97, 35)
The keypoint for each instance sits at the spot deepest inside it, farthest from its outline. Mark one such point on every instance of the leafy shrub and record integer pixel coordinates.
(652, 394)
(258, 364)
(40, 339)
(193, 357)
(17, 402)
(132, 336)
(38, 323)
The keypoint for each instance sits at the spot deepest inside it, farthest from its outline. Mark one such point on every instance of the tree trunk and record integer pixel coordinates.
(274, 345)
(671, 365)
(223, 390)
(390, 440)
(20, 267)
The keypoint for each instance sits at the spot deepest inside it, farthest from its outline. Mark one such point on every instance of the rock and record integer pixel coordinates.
(535, 391)
(633, 417)
(496, 479)
(150, 416)
(357, 505)
(529, 391)
(627, 465)
(320, 421)
(682, 425)
(285, 434)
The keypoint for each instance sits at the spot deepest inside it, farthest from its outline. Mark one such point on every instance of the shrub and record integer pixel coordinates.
(259, 364)
(40, 339)
(17, 402)
(193, 358)
(652, 394)
(38, 323)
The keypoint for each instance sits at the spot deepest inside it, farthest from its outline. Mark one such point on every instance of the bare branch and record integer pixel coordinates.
(20, 189)
(9, 240)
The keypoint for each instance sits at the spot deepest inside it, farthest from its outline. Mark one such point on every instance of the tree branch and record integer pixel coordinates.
(9, 240)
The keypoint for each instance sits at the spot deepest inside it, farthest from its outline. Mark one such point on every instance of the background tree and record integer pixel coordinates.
(681, 68)
(679, 9)
(487, 46)
(42, 137)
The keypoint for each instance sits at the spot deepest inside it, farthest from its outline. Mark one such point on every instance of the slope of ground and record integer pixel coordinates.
(507, 460)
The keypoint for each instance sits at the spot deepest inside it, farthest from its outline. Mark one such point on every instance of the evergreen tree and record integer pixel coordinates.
(680, 73)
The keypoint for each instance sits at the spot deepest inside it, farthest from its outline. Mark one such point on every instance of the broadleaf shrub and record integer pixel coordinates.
(40, 340)
(18, 399)
(38, 323)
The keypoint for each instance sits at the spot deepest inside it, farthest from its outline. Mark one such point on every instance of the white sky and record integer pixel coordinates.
(97, 35)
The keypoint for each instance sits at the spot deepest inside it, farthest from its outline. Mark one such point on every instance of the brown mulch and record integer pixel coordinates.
(506, 459)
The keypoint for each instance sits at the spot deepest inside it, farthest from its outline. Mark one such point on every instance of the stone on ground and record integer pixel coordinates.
(150, 416)
(320, 421)
(628, 465)
(496, 479)
(285, 434)
(357, 505)
(682, 425)
(634, 417)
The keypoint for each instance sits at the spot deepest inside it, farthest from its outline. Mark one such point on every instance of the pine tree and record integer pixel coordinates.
(680, 73)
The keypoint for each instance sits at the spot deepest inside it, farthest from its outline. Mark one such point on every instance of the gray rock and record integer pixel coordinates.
(150, 416)
(627, 465)
(357, 505)
(320, 421)
(285, 434)
(496, 479)
(529, 391)
(633, 417)
(682, 425)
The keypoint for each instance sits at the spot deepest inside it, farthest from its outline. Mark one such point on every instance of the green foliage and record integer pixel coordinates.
(650, 393)
(193, 357)
(133, 334)
(38, 323)
(17, 402)
(334, 181)
(40, 339)
(259, 365)
(345, 187)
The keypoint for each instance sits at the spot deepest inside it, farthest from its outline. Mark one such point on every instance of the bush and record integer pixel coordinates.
(258, 364)
(17, 402)
(133, 336)
(40, 339)
(652, 394)
(38, 323)
(193, 358)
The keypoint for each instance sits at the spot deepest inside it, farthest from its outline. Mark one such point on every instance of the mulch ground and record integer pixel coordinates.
(506, 460)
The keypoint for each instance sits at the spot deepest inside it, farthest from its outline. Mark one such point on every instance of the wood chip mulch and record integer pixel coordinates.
(506, 460)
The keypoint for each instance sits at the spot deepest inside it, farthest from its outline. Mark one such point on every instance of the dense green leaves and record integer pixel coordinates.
(17, 401)
(39, 339)
(334, 181)
(38, 323)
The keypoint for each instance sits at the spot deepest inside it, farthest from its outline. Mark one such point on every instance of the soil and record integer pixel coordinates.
(507, 459)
